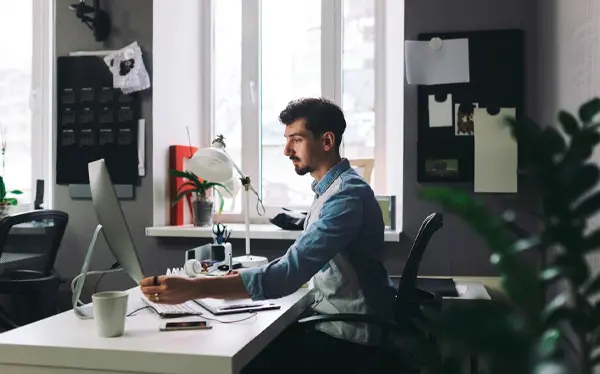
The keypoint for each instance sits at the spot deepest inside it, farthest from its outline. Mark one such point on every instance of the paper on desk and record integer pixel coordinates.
(449, 64)
(495, 152)
(440, 112)
(461, 289)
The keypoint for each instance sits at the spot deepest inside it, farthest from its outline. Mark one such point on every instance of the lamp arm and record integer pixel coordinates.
(245, 179)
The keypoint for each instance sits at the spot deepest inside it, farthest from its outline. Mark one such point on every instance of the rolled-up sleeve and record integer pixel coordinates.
(339, 223)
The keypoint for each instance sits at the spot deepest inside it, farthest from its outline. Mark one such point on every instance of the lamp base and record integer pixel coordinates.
(251, 261)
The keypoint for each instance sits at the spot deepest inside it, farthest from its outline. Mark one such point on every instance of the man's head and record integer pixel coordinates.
(313, 131)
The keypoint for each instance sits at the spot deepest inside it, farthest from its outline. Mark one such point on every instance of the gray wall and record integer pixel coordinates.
(453, 251)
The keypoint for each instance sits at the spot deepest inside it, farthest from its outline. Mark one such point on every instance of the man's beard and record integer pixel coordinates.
(301, 170)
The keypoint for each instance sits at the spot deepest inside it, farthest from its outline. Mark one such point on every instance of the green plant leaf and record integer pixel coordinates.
(2, 189)
(189, 185)
(576, 268)
(214, 184)
(588, 207)
(560, 310)
(589, 110)
(585, 178)
(554, 141)
(568, 122)
(179, 197)
(10, 200)
(553, 366)
(549, 343)
(593, 287)
(16, 192)
(520, 281)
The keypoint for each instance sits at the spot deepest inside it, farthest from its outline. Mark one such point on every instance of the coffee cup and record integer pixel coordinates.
(110, 310)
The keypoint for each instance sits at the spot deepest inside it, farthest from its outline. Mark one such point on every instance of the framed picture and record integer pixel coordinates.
(388, 209)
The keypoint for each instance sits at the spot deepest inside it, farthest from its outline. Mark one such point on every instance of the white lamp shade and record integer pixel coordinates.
(212, 165)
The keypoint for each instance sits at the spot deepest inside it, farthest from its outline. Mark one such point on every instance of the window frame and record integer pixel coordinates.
(331, 66)
(42, 99)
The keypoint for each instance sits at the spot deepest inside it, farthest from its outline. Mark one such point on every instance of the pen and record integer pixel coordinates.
(230, 264)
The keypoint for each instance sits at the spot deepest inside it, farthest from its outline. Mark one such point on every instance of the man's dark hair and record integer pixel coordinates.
(321, 115)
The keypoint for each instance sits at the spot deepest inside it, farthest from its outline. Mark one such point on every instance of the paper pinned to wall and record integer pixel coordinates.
(447, 65)
(496, 152)
(440, 110)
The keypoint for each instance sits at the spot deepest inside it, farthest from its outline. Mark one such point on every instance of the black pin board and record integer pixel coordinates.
(94, 121)
(445, 112)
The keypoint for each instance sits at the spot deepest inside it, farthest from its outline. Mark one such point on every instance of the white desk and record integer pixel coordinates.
(63, 344)
(66, 345)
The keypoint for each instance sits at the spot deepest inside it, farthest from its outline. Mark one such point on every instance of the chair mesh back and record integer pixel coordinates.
(38, 232)
(430, 225)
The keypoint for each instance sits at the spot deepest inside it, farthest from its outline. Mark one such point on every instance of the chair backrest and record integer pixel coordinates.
(37, 231)
(430, 225)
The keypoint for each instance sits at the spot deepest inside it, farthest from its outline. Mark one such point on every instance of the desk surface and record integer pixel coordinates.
(65, 344)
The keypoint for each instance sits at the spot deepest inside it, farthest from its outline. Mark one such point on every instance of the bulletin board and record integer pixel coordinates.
(446, 145)
(94, 121)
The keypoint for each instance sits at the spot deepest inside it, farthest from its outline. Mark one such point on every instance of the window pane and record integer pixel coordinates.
(358, 78)
(16, 42)
(291, 68)
(227, 82)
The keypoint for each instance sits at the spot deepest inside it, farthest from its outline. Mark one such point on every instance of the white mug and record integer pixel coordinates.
(110, 309)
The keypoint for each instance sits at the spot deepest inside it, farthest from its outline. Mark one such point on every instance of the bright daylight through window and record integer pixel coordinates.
(24, 69)
(297, 53)
(16, 19)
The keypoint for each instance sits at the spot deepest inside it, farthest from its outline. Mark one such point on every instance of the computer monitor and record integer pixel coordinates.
(110, 216)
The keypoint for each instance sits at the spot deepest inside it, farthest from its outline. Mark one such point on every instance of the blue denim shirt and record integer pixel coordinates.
(349, 225)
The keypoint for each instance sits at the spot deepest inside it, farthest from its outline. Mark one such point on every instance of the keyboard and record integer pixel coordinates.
(188, 308)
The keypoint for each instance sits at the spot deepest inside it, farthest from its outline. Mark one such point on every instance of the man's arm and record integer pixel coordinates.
(338, 224)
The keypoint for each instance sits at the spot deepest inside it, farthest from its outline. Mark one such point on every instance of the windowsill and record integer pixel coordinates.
(257, 231)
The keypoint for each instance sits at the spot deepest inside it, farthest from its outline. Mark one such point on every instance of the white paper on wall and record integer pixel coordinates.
(496, 152)
(427, 66)
(440, 112)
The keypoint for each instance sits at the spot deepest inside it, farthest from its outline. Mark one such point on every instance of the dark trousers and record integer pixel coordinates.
(301, 349)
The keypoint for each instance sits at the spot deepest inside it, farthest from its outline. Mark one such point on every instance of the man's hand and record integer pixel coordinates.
(170, 290)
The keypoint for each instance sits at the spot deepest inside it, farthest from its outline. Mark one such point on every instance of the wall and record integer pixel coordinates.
(569, 64)
(455, 250)
(132, 21)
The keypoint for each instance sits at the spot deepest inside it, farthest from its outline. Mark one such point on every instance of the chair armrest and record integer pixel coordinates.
(405, 327)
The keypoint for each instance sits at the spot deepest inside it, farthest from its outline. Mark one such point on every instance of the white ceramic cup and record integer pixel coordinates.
(110, 309)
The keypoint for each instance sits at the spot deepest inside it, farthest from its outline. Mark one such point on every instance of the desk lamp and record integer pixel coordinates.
(215, 165)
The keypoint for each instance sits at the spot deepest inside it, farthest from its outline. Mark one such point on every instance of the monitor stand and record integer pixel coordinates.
(81, 311)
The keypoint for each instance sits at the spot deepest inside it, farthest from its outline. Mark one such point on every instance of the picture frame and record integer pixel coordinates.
(387, 203)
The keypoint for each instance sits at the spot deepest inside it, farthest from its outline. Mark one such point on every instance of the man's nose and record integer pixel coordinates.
(287, 151)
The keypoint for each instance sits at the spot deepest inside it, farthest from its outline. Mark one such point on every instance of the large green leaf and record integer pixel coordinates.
(549, 343)
(586, 177)
(588, 207)
(589, 110)
(553, 366)
(568, 122)
(521, 282)
(187, 175)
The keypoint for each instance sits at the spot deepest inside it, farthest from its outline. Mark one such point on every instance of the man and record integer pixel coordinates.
(341, 249)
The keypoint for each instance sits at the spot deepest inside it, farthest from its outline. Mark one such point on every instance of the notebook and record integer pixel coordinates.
(220, 307)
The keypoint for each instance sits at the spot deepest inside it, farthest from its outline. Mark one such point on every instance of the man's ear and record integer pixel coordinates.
(328, 141)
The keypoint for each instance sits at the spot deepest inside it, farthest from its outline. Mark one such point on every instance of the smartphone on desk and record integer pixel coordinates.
(186, 325)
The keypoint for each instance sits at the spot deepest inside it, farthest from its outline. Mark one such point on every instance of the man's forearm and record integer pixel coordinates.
(224, 287)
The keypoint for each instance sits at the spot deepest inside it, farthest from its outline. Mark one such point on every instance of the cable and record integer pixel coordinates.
(114, 266)
(142, 308)
(79, 302)
(253, 314)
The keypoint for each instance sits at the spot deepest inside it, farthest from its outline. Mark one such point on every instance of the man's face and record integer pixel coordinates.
(302, 147)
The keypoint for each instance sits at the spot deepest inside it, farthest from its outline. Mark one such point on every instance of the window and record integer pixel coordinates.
(268, 52)
(25, 106)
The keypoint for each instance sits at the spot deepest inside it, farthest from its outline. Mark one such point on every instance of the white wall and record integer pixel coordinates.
(178, 97)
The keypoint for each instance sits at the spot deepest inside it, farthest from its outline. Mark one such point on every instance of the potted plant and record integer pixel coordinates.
(552, 323)
(5, 201)
(202, 204)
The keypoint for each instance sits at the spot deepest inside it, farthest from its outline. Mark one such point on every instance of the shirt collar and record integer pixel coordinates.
(320, 187)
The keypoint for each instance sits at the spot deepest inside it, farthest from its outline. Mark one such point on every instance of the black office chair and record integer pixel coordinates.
(33, 286)
(409, 320)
